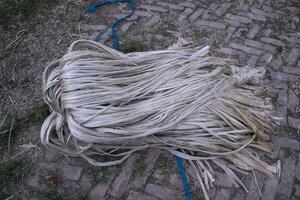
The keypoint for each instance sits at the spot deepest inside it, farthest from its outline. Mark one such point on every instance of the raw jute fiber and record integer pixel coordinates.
(204, 109)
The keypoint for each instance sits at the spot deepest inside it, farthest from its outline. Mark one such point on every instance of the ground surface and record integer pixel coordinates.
(256, 32)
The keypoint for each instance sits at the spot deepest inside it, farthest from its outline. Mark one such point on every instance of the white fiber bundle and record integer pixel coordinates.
(201, 108)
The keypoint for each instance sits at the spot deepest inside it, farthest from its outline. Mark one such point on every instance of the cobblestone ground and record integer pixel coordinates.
(255, 32)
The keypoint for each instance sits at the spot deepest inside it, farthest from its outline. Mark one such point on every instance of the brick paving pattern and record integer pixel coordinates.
(256, 33)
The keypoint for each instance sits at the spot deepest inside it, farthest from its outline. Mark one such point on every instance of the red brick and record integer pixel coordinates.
(253, 31)
(224, 7)
(195, 15)
(270, 188)
(188, 5)
(245, 49)
(119, 186)
(285, 186)
(142, 13)
(211, 24)
(256, 17)
(161, 192)
(154, 8)
(171, 6)
(293, 57)
(228, 51)
(239, 18)
(285, 142)
(272, 41)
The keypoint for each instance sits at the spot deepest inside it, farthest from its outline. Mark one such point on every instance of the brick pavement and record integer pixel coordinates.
(256, 33)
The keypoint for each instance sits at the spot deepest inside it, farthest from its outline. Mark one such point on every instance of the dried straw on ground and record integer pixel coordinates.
(201, 108)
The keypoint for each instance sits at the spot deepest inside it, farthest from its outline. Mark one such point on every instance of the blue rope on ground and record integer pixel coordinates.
(93, 8)
(132, 4)
(183, 178)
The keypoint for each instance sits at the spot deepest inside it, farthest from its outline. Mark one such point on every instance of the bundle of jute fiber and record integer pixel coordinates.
(204, 109)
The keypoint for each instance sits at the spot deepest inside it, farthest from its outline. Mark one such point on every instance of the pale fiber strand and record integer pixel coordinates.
(201, 108)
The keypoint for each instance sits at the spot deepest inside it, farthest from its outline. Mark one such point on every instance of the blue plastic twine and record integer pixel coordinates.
(93, 8)
(183, 178)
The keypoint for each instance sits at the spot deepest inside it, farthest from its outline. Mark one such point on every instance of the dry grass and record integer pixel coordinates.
(13, 10)
(13, 169)
(11, 177)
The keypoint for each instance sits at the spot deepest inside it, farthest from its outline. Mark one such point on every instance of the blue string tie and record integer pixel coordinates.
(115, 38)
(183, 178)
